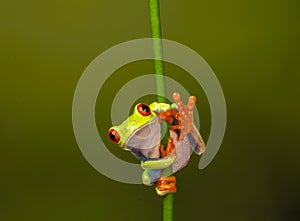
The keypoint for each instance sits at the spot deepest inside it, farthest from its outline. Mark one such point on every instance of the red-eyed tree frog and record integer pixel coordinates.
(140, 134)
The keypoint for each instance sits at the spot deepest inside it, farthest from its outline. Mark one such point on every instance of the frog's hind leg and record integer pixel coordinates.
(150, 176)
(164, 185)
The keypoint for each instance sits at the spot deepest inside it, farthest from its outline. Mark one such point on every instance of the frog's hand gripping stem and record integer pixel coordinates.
(158, 163)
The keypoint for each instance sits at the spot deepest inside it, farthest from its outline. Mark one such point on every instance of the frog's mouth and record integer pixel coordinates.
(145, 137)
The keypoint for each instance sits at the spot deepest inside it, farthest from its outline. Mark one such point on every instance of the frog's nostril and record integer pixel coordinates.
(144, 109)
(113, 136)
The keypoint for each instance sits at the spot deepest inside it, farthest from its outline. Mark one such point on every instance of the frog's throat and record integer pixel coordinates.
(149, 141)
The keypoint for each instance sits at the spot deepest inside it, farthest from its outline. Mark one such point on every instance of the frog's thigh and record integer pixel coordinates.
(150, 176)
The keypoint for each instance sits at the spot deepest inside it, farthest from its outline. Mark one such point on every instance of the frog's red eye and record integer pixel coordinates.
(113, 136)
(144, 109)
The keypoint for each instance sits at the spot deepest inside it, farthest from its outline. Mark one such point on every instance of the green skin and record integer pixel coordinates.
(134, 124)
(150, 157)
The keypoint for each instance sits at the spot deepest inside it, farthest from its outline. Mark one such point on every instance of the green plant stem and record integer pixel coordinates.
(157, 50)
(161, 91)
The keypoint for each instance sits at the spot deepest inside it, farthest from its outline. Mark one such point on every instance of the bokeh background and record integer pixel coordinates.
(253, 47)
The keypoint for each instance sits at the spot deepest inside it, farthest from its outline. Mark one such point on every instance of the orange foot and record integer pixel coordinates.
(170, 148)
(166, 185)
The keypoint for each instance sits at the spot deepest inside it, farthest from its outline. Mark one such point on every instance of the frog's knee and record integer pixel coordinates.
(150, 176)
(146, 178)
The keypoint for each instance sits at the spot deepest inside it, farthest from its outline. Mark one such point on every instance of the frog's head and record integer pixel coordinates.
(139, 130)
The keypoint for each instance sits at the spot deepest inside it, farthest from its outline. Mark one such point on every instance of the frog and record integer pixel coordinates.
(141, 134)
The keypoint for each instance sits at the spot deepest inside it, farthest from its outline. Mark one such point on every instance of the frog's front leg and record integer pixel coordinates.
(186, 124)
(196, 141)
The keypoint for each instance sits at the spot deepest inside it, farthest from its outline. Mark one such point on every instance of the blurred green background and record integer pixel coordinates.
(253, 47)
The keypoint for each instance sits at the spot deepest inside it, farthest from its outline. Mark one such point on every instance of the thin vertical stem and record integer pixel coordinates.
(157, 49)
(168, 207)
(161, 90)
